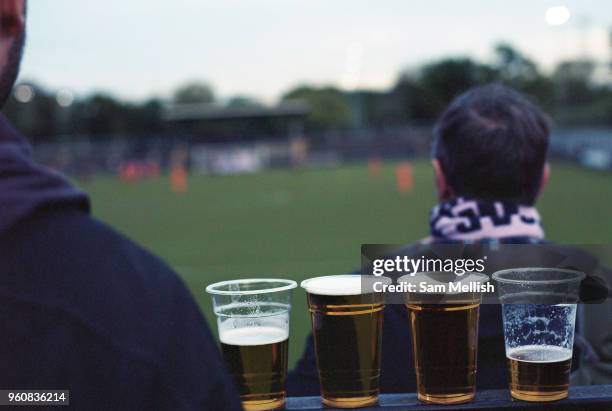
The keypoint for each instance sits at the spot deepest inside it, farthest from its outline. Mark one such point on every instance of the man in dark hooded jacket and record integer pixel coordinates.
(83, 308)
(489, 159)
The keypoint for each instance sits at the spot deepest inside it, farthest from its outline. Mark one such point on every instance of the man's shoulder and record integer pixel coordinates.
(80, 247)
(73, 264)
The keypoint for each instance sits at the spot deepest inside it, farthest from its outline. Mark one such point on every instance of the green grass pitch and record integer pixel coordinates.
(302, 223)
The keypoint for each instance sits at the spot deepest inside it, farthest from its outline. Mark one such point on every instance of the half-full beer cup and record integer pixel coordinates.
(539, 315)
(253, 323)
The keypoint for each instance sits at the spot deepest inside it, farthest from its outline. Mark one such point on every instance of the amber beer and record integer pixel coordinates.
(257, 359)
(253, 323)
(539, 372)
(445, 345)
(539, 316)
(347, 328)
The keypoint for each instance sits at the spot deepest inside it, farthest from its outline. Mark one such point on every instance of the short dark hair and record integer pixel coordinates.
(491, 143)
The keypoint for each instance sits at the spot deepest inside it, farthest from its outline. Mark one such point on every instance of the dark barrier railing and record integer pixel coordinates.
(591, 398)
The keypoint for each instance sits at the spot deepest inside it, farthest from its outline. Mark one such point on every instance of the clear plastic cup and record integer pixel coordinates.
(539, 316)
(347, 319)
(253, 323)
(444, 328)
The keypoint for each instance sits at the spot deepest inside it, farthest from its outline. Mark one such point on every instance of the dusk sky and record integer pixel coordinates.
(141, 48)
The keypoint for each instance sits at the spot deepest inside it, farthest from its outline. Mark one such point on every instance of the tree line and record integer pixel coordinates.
(570, 94)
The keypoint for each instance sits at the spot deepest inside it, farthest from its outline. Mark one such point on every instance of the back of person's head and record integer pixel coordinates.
(491, 143)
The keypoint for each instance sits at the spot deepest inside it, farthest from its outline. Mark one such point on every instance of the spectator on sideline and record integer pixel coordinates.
(84, 308)
(489, 154)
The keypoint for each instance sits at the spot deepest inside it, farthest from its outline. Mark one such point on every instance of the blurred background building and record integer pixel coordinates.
(80, 130)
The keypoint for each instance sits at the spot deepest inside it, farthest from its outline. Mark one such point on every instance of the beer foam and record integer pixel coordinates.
(334, 285)
(539, 354)
(253, 335)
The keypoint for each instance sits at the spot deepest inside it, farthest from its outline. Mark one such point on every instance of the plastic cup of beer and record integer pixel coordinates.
(347, 320)
(539, 315)
(253, 323)
(444, 327)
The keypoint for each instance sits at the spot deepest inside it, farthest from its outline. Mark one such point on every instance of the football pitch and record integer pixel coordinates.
(302, 223)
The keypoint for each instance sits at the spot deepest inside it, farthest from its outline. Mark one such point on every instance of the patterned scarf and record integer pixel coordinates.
(470, 220)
